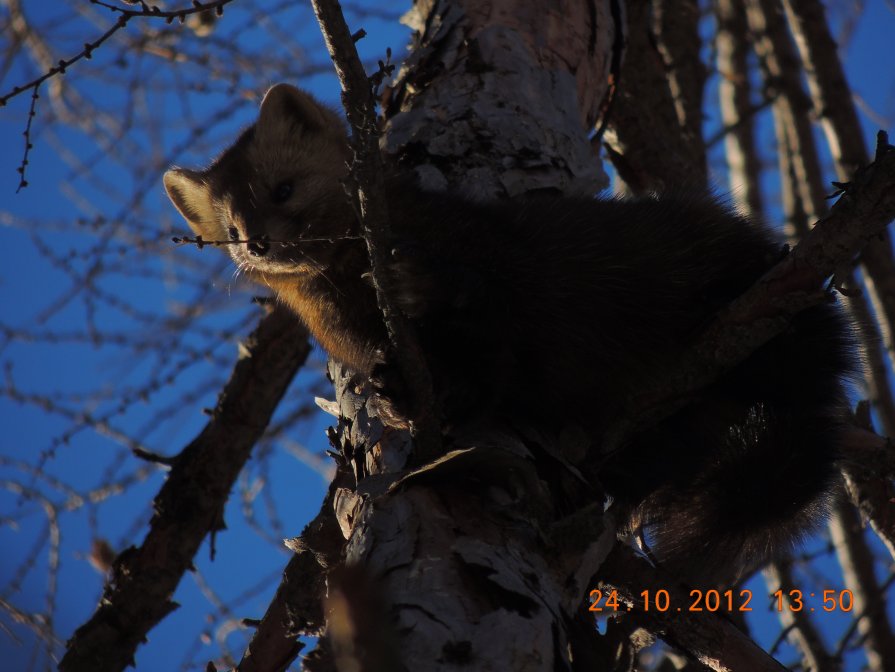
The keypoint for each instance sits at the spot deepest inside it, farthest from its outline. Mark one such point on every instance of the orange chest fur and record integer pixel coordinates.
(326, 322)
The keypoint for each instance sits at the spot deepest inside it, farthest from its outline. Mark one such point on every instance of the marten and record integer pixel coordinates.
(547, 310)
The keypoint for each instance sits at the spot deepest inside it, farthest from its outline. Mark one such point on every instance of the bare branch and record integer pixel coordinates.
(124, 16)
(763, 311)
(715, 642)
(859, 577)
(190, 505)
(797, 622)
(368, 171)
(644, 149)
(297, 607)
(835, 107)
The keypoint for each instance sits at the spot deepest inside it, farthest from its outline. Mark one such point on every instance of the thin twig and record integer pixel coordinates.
(125, 15)
(23, 182)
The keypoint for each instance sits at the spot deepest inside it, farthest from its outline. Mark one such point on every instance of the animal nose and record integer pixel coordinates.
(258, 247)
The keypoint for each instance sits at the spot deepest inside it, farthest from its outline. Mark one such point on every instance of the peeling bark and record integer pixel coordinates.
(469, 560)
(496, 97)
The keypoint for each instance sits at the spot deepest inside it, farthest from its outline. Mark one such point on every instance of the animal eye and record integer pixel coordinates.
(281, 192)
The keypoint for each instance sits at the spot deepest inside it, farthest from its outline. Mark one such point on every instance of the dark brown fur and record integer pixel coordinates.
(547, 310)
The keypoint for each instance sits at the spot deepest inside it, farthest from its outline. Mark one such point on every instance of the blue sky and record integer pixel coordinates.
(45, 317)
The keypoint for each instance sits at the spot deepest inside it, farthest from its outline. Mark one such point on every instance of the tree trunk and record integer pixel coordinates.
(461, 562)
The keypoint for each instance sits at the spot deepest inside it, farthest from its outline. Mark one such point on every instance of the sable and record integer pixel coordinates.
(547, 311)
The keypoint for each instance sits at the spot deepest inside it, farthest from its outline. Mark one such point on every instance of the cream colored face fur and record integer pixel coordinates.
(277, 190)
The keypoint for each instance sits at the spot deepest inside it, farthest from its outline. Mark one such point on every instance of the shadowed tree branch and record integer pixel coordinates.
(190, 504)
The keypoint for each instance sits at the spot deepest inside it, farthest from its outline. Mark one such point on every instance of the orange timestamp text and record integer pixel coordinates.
(716, 600)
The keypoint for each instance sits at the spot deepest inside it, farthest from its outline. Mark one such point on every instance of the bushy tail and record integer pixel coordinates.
(749, 471)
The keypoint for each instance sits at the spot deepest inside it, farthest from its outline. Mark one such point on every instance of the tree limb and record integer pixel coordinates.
(715, 642)
(297, 607)
(191, 502)
(865, 209)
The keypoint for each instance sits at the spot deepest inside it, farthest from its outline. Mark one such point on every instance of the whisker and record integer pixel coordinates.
(323, 275)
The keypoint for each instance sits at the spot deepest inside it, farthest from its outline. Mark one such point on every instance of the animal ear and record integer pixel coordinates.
(285, 104)
(191, 195)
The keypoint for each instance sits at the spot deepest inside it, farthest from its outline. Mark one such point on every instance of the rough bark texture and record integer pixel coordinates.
(481, 558)
(473, 569)
(297, 608)
(468, 562)
(517, 80)
(470, 551)
(191, 503)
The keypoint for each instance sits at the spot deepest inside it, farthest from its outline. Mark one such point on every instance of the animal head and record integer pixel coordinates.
(276, 195)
